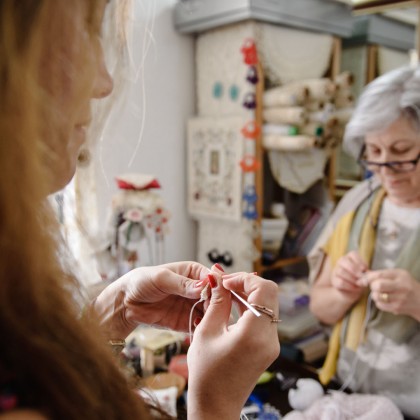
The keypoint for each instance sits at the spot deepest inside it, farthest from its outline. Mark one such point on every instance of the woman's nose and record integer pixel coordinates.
(104, 83)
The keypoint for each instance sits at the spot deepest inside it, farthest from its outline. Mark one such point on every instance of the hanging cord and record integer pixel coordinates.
(350, 377)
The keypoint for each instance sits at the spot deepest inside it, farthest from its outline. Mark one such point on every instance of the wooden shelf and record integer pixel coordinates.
(281, 263)
(334, 71)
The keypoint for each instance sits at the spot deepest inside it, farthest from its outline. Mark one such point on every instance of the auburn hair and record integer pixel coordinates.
(59, 360)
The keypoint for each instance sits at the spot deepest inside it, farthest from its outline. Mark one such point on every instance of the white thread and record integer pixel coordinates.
(204, 295)
(191, 314)
(346, 383)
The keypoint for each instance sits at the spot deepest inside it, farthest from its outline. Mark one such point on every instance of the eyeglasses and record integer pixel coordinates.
(400, 166)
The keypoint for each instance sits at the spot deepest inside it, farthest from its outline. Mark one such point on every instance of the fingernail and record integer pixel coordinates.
(255, 273)
(198, 283)
(219, 267)
(197, 320)
(212, 281)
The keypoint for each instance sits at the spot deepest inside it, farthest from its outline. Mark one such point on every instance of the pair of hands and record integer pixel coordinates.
(225, 360)
(351, 276)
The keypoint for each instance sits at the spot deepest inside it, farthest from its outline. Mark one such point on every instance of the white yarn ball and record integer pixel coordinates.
(308, 391)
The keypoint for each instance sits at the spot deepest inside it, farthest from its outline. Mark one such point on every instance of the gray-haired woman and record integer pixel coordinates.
(365, 266)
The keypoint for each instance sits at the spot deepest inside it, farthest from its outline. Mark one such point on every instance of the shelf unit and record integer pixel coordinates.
(202, 18)
(330, 171)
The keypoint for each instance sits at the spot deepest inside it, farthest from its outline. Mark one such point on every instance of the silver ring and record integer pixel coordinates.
(266, 311)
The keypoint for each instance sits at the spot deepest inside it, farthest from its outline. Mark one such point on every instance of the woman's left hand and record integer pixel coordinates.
(161, 295)
(394, 290)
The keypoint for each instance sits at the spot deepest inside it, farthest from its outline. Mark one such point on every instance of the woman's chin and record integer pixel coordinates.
(404, 198)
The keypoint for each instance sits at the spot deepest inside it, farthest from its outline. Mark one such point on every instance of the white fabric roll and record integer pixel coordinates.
(285, 115)
(288, 143)
(321, 89)
(344, 80)
(283, 129)
(285, 96)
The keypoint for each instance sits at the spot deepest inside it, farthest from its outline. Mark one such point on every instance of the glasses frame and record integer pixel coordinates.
(391, 164)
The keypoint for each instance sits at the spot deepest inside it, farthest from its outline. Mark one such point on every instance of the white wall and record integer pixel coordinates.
(164, 95)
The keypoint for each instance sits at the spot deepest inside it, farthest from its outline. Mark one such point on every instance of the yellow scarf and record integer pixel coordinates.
(336, 247)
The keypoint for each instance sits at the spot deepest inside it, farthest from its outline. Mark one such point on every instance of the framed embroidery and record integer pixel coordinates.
(215, 149)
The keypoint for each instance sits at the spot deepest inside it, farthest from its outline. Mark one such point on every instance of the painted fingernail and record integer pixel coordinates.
(212, 281)
(219, 267)
(198, 283)
(197, 320)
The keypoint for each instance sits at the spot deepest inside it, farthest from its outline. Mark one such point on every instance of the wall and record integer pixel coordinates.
(161, 99)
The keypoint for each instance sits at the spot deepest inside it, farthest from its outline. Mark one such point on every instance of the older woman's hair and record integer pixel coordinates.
(395, 94)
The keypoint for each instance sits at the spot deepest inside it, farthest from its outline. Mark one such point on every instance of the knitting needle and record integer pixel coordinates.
(252, 309)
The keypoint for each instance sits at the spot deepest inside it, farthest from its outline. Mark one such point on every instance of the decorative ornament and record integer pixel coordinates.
(252, 75)
(250, 101)
(217, 90)
(250, 211)
(137, 224)
(215, 257)
(137, 182)
(250, 195)
(251, 130)
(249, 164)
(234, 92)
(249, 51)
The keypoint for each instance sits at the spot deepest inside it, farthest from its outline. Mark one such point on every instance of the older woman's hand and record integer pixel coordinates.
(394, 290)
(225, 360)
(347, 273)
(161, 295)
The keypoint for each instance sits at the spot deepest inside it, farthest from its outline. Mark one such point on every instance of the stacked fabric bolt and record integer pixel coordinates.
(307, 113)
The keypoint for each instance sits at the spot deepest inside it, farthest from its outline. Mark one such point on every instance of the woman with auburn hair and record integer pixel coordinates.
(53, 363)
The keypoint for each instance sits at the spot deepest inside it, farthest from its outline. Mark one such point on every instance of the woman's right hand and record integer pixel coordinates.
(347, 273)
(225, 361)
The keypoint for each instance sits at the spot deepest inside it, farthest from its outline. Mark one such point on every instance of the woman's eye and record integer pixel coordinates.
(401, 151)
(373, 151)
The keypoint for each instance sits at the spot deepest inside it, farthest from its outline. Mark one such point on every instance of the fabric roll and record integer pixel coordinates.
(322, 117)
(285, 115)
(319, 89)
(344, 99)
(344, 80)
(285, 96)
(288, 143)
(313, 106)
(312, 129)
(342, 115)
(283, 129)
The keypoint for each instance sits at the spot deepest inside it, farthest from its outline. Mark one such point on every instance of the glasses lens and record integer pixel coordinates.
(395, 166)
(403, 166)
